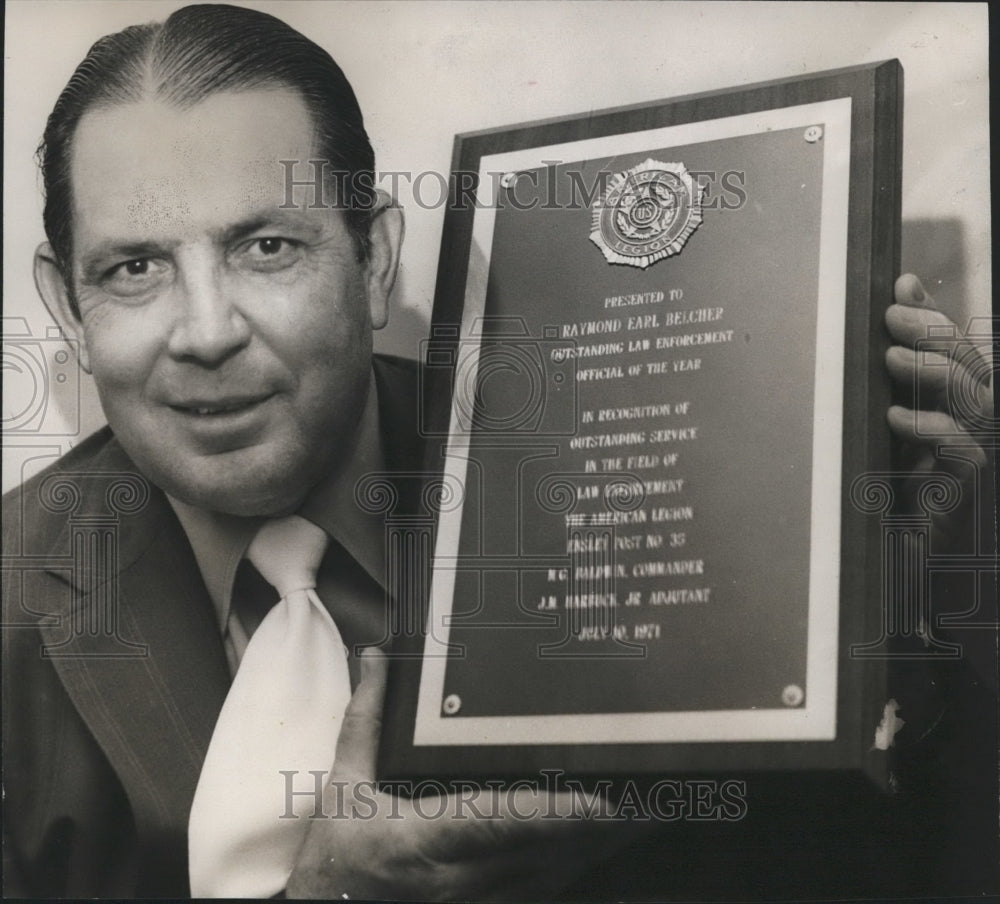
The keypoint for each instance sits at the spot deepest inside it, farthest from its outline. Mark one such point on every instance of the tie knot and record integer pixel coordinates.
(287, 552)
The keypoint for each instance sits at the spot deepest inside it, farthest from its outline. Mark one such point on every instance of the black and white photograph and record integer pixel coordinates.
(499, 451)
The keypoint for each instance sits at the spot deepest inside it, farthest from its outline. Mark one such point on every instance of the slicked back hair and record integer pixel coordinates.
(199, 51)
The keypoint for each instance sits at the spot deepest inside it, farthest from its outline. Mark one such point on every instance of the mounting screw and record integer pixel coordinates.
(508, 179)
(792, 695)
(813, 134)
(452, 704)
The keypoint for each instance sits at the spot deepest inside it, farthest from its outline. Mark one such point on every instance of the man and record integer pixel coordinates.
(229, 336)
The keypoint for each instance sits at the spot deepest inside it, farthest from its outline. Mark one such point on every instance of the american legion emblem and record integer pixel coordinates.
(647, 213)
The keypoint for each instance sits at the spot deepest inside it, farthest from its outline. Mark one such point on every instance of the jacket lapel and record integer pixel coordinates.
(138, 649)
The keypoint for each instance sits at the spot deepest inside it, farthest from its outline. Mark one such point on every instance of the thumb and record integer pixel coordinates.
(910, 292)
(357, 746)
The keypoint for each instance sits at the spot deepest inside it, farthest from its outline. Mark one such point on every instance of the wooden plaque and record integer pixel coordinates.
(655, 372)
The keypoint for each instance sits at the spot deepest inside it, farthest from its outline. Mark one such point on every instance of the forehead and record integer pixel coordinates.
(153, 169)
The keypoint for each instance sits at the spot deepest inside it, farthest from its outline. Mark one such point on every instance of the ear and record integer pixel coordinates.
(385, 239)
(55, 293)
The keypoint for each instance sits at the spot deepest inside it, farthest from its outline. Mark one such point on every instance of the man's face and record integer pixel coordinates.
(230, 339)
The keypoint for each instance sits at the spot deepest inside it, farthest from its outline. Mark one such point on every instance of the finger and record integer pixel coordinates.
(543, 871)
(550, 856)
(565, 870)
(357, 746)
(942, 382)
(907, 324)
(931, 332)
(908, 290)
(522, 817)
(932, 428)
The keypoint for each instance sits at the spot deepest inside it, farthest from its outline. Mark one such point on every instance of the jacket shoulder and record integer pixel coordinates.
(22, 504)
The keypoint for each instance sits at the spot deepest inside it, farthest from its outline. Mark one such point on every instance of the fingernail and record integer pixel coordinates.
(917, 290)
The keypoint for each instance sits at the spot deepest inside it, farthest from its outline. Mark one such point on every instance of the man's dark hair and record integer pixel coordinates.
(198, 51)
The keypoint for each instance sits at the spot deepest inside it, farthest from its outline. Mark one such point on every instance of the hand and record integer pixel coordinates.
(377, 846)
(952, 403)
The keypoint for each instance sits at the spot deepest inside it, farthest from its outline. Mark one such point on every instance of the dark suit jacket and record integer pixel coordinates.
(113, 682)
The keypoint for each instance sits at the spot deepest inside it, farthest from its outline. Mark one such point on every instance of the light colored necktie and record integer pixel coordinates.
(283, 713)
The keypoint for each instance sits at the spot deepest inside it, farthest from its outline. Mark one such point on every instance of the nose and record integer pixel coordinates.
(209, 326)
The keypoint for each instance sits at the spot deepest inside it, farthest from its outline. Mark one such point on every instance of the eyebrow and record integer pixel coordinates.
(255, 222)
(95, 262)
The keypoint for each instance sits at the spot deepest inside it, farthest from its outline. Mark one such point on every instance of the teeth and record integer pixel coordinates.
(220, 410)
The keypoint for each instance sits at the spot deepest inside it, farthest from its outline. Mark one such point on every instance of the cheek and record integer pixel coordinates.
(122, 348)
(332, 368)
(325, 326)
(332, 361)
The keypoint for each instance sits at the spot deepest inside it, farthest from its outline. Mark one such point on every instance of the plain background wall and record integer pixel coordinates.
(425, 71)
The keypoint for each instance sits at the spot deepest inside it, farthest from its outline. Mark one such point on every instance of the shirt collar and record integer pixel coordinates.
(220, 541)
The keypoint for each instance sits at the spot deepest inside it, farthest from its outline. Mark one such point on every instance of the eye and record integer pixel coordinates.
(270, 246)
(134, 277)
(269, 253)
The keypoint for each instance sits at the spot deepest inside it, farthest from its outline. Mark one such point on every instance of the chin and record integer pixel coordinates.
(236, 489)
(242, 501)
(249, 504)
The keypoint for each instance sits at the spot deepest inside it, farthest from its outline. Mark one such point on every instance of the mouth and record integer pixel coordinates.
(218, 407)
